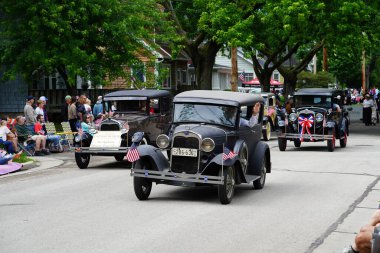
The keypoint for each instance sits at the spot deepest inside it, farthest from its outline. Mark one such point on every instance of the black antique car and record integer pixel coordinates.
(318, 114)
(128, 111)
(207, 145)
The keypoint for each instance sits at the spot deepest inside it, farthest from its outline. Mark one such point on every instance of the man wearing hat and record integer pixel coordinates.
(30, 113)
(44, 100)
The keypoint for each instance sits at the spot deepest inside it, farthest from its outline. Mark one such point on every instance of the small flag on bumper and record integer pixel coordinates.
(132, 154)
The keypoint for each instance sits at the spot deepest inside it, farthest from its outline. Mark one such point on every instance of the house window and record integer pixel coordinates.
(184, 77)
(248, 77)
(167, 80)
(276, 76)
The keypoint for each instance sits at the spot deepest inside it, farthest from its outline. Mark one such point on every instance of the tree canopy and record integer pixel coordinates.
(94, 39)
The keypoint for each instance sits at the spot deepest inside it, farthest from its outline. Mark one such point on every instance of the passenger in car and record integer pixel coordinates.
(254, 118)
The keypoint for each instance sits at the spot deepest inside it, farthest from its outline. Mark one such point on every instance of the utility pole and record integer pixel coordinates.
(325, 65)
(234, 74)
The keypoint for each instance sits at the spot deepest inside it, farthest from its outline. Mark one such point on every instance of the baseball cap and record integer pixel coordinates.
(67, 97)
(43, 98)
(28, 98)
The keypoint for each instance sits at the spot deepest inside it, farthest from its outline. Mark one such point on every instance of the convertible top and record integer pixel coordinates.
(136, 93)
(217, 97)
(315, 91)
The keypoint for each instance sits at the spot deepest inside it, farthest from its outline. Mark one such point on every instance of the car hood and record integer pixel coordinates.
(205, 131)
(313, 109)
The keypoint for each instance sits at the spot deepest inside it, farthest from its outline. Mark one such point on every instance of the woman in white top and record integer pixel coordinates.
(367, 109)
(40, 108)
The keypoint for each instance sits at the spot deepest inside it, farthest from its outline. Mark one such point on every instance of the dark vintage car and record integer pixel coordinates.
(318, 114)
(207, 145)
(270, 122)
(129, 111)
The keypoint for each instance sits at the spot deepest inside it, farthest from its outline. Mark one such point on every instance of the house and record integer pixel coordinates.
(221, 79)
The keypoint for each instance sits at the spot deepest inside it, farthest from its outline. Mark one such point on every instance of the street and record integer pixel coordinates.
(312, 202)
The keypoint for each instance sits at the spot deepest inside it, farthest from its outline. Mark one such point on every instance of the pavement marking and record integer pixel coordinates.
(332, 228)
(326, 172)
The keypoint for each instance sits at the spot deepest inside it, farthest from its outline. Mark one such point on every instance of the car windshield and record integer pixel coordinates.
(312, 100)
(127, 106)
(204, 113)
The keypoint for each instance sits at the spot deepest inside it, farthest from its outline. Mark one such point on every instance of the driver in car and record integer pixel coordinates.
(254, 118)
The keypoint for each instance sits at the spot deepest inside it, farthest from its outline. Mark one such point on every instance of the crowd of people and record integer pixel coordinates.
(17, 132)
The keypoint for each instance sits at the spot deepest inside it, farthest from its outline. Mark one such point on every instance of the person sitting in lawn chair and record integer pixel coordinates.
(24, 135)
(53, 141)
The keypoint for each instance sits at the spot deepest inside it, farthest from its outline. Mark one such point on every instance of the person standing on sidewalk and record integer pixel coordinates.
(72, 114)
(40, 108)
(367, 109)
(65, 109)
(98, 107)
(30, 114)
(44, 102)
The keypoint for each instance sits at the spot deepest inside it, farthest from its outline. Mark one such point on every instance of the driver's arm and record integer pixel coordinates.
(255, 115)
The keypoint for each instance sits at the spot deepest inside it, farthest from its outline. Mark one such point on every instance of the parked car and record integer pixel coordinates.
(319, 114)
(270, 122)
(207, 146)
(129, 111)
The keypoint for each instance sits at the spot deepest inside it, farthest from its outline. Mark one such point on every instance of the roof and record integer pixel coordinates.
(218, 97)
(315, 91)
(137, 93)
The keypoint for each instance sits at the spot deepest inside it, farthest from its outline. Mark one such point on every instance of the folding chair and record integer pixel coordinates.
(28, 146)
(67, 135)
(52, 130)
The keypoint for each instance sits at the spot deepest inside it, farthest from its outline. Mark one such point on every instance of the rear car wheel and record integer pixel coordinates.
(142, 187)
(282, 144)
(82, 160)
(267, 132)
(259, 183)
(119, 158)
(343, 142)
(226, 190)
(331, 143)
(297, 143)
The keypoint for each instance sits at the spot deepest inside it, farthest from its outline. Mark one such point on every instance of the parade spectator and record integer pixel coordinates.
(44, 102)
(254, 118)
(98, 107)
(72, 115)
(65, 109)
(24, 134)
(363, 240)
(86, 124)
(5, 134)
(40, 108)
(40, 129)
(81, 110)
(30, 114)
(367, 109)
(11, 123)
(87, 107)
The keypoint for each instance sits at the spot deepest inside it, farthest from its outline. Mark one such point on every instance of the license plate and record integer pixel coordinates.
(184, 152)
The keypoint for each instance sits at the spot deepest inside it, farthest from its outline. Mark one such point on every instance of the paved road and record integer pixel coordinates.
(309, 194)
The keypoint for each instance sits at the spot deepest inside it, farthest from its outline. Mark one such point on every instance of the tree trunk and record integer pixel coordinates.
(290, 82)
(70, 88)
(264, 78)
(234, 73)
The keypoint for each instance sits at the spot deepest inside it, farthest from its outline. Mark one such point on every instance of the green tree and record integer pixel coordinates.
(95, 39)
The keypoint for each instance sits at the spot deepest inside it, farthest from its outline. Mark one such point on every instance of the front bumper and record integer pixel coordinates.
(178, 177)
(317, 137)
(107, 151)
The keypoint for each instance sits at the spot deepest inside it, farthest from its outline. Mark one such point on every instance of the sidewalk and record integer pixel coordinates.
(41, 163)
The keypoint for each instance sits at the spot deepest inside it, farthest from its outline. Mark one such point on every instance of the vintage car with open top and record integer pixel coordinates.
(129, 111)
(319, 114)
(215, 139)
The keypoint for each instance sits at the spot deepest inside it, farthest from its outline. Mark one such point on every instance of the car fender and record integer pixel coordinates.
(154, 156)
(262, 149)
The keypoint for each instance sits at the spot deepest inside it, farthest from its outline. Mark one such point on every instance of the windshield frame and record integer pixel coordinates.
(325, 105)
(204, 122)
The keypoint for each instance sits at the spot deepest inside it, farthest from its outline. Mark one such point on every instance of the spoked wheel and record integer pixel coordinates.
(343, 142)
(267, 132)
(282, 144)
(297, 143)
(82, 160)
(259, 184)
(331, 143)
(243, 156)
(226, 190)
(142, 187)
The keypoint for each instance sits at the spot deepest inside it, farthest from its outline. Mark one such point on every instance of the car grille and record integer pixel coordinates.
(182, 163)
(109, 127)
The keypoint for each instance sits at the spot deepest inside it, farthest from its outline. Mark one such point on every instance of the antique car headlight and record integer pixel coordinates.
(292, 117)
(77, 138)
(207, 145)
(319, 117)
(162, 141)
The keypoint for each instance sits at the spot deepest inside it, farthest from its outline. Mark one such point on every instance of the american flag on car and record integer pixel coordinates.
(228, 154)
(133, 154)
